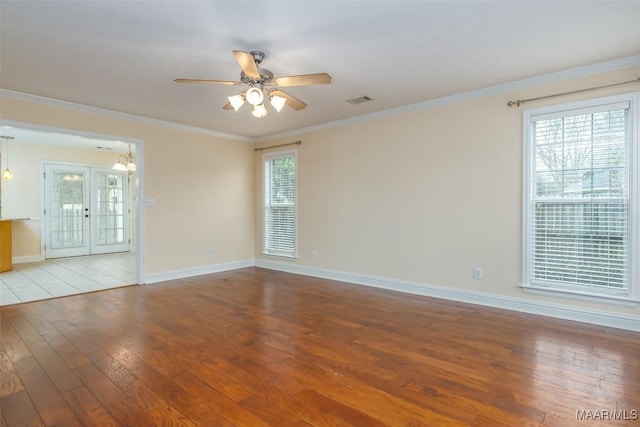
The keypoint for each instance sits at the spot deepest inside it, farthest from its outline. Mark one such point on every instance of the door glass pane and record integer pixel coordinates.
(110, 208)
(67, 206)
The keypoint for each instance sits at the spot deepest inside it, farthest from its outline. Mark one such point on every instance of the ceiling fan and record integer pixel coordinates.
(262, 85)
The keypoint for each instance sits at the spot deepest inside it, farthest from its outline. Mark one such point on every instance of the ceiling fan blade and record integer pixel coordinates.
(211, 82)
(303, 80)
(247, 63)
(227, 106)
(292, 102)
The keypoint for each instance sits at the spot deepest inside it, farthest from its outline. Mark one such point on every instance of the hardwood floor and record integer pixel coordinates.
(255, 347)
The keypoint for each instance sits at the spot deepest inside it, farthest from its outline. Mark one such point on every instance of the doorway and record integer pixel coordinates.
(87, 210)
(60, 146)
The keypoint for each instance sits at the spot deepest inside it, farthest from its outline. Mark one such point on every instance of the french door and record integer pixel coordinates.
(86, 210)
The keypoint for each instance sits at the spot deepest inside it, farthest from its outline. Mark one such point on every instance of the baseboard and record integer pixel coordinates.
(25, 259)
(560, 311)
(197, 271)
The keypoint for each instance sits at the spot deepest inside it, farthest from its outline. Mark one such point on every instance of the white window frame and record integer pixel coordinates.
(266, 250)
(585, 292)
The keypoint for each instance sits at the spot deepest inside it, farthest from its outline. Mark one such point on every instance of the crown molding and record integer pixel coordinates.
(559, 76)
(118, 115)
(584, 71)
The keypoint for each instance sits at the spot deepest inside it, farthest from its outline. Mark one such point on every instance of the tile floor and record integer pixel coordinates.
(66, 276)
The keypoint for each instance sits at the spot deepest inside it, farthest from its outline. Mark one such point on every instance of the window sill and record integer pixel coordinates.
(288, 257)
(582, 296)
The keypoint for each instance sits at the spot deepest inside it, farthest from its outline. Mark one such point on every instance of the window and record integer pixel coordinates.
(581, 198)
(280, 204)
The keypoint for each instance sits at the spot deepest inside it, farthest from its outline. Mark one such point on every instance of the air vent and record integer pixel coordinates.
(360, 100)
(104, 148)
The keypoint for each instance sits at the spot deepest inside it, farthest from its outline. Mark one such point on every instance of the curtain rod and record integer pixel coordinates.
(521, 101)
(279, 145)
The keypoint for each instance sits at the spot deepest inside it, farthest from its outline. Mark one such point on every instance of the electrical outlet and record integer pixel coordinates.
(210, 252)
(314, 254)
(477, 273)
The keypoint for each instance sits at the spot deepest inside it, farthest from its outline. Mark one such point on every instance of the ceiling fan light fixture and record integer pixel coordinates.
(254, 96)
(278, 102)
(262, 85)
(236, 101)
(259, 111)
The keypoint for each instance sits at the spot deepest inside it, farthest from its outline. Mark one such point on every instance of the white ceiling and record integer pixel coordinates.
(38, 135)
(125, 55)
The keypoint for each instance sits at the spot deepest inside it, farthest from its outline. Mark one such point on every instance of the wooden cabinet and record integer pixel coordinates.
(5, 246)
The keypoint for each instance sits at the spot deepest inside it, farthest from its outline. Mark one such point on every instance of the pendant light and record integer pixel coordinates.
(126, 163)
(7, 175)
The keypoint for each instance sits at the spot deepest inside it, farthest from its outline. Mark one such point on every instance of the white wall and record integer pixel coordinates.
(422, 197)
(203, 185)
(21, 197)
(419, 197)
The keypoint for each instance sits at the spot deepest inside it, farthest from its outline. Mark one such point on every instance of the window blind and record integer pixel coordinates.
(280, 204)
(579, 204)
